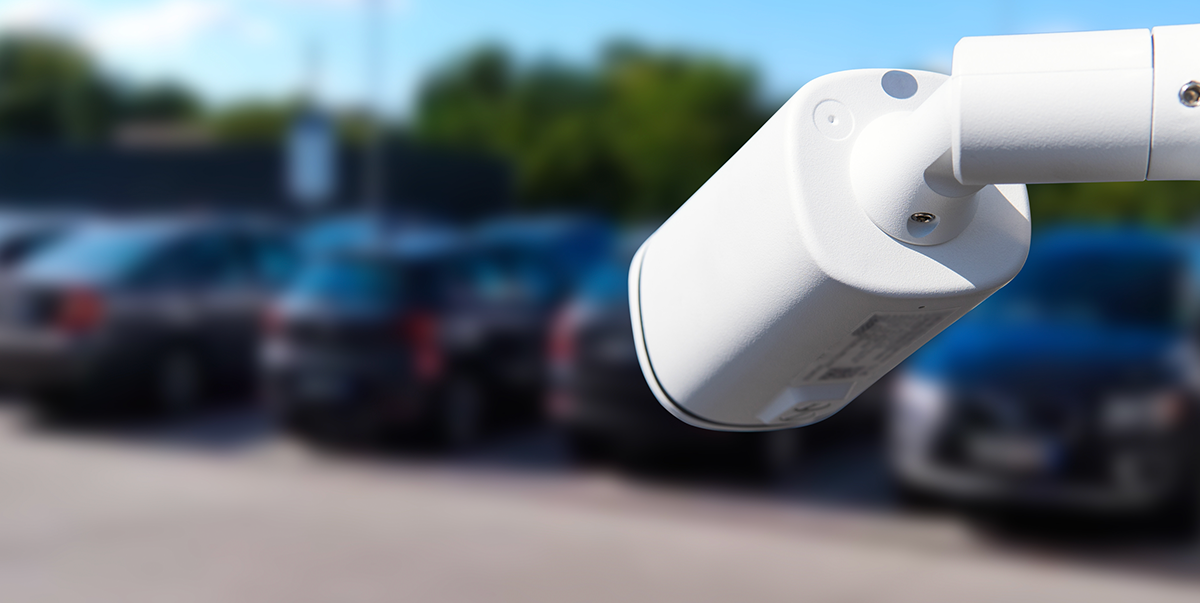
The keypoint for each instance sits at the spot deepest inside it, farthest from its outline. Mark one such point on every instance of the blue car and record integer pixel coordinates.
(1073, 387)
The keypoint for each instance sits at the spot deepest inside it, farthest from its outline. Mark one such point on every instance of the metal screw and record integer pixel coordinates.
(922, 217)
(1190, 94)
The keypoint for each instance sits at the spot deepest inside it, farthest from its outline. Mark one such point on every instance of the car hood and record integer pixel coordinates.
(1048, 359)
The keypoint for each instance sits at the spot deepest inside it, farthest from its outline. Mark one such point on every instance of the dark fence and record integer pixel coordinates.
(242, 178)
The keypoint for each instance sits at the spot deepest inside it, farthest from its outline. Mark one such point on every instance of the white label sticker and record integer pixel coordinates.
(873, 344)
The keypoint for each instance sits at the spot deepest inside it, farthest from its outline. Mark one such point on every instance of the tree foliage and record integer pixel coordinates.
(51, 91)
(1162, 204)
(254, 121)
(637, 134)
(163, 101)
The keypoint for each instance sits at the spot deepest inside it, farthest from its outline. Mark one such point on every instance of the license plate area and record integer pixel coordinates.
(323, 388)
(1013, 453)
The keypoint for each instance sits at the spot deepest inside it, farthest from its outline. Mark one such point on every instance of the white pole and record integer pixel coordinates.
(373, 152)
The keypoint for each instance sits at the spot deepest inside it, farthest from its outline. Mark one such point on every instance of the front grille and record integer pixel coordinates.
(340, 337)
(1080, 457)
(1020, 414)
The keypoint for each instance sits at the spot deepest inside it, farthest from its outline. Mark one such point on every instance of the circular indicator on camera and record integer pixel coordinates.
(899, 84)
(833, 119)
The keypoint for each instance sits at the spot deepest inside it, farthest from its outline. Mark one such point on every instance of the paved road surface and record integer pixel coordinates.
(180, 516)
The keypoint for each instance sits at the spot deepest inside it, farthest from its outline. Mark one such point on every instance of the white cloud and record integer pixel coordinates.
(153, 26)
(60, 16)
(161, 26)
(395, 5)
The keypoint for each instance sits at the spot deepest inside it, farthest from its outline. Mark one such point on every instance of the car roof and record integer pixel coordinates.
(537, 231)
(411, 244)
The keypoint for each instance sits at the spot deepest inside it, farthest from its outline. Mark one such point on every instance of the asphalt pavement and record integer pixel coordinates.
(223, 508)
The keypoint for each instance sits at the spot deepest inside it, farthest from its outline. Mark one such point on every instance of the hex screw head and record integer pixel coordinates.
(922, 217)
(1190, 94)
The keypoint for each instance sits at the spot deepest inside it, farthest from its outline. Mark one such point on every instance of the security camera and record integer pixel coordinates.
(879, 206)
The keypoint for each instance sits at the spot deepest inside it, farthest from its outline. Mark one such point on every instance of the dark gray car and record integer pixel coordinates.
(139, 315)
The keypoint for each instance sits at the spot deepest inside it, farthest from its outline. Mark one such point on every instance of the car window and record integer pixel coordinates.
(1078, 285)
(509, 275)
(349, 280)
(202, 260)
(18, 247)
(98, 254)
(274, 261)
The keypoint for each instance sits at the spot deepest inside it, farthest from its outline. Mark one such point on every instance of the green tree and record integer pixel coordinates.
(1152, 203)
(51, 91)
(673, 120)
(164, 101)
(636, 134)
(253, 121)
(265, 121)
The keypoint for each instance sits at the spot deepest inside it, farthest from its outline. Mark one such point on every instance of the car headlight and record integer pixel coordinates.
(1154, 411)
(920, 399)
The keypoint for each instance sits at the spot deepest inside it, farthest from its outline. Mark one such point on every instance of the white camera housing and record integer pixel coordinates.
(876, 207)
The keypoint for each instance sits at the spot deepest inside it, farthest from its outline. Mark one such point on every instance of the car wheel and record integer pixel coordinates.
(1179, 516)
(178, 383)
(462, 415)
(56, 405)
(914, 498)
(586, 447)
(777, 453)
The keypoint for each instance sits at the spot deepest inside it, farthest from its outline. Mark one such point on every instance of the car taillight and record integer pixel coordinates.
(559, 404)
(270, 322)
(79, 311)
(561, 347)
(420, 331)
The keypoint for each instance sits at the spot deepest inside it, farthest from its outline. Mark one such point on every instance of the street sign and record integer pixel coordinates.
(311, 160)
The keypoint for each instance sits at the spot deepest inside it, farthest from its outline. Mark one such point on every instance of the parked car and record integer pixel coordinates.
(469, 355)
(152, 314)
(22, 234)
(357, 347)
(1075, 387)
(600, 400)
(521, 271)
(356, 229)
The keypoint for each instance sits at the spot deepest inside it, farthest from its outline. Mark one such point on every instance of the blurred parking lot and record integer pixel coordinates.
(221, 507)
(205, 407)
(270, 335)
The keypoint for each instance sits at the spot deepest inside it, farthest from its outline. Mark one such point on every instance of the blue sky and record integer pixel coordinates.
(232, 49)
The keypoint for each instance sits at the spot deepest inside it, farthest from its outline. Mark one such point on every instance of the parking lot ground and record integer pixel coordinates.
(222, 509)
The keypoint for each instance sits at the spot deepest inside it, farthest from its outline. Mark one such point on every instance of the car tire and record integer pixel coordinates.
(586, 447)
(914, 498)
(313, 432)
(461, 420)
(178, 384)
(776, 453)
(57, 406)
(1179, 516)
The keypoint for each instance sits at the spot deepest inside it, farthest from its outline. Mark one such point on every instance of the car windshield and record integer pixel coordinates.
(1125, 284)
(512, 275)
(357, 281)
(609, 282)
(336, 234)
(18, 244)
(100, 254)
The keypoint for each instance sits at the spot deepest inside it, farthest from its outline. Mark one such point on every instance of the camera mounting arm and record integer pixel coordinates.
(876, 207)
(1075, 107)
